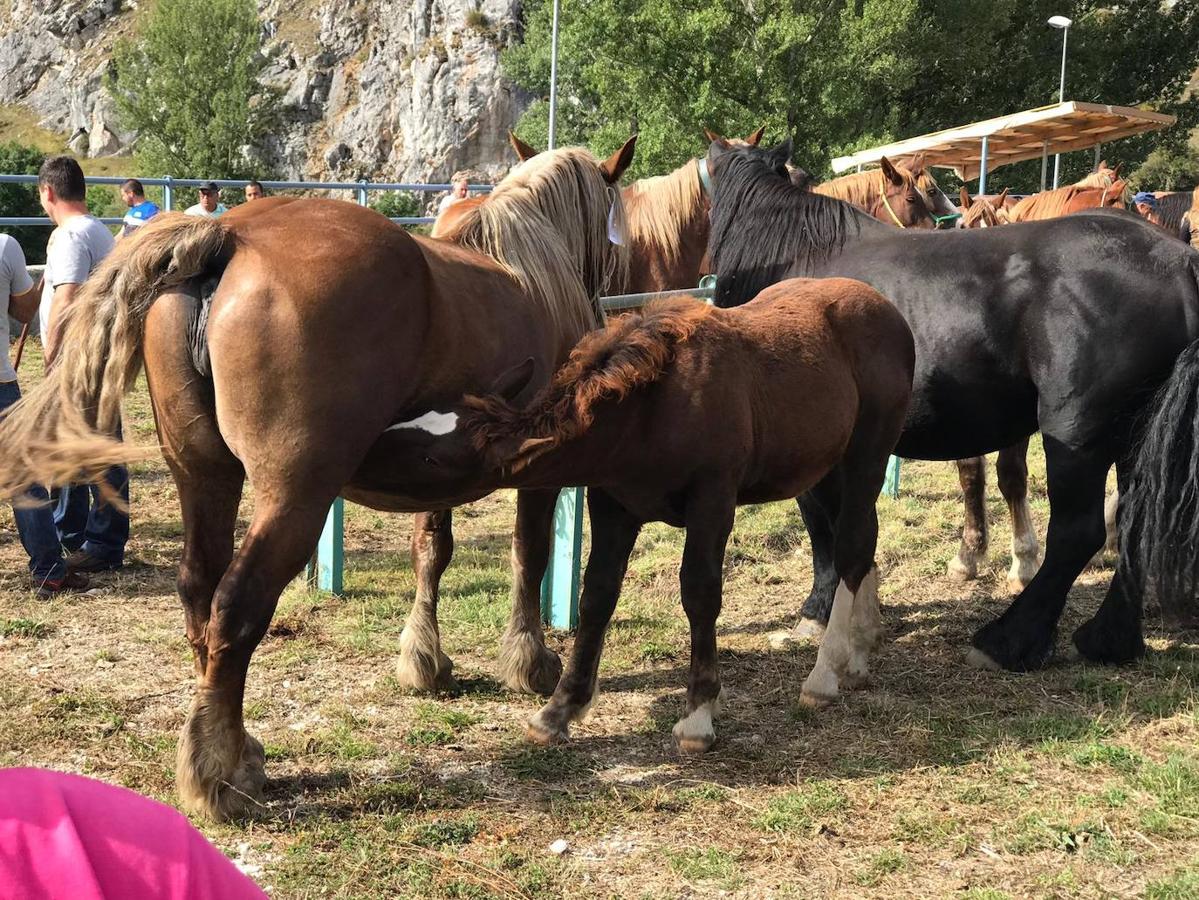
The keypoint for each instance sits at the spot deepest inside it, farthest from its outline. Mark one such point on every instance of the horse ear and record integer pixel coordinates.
(1102, 165)
(965, 198)
(512, 382)
(781, 153)
(528, 451)
(1116, 170)
(916, 164)
(523, 150)
(1001, 198)
(613, 167)
(891, 173)
(754, 139)
(712, 136)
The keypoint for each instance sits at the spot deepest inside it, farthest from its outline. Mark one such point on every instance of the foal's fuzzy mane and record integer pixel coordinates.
(547, 224)
(763, 226)
(659, 209)
(633, 351)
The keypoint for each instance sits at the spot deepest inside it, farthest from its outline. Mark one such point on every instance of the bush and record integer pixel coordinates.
(394, 204)
(1168, 169)
(21, 199)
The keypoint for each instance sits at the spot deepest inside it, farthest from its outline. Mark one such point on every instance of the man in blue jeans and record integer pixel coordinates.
(95, 531)
(35, 524)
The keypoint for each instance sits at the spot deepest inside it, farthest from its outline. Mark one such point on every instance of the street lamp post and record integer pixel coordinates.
(554, 79)
(1064, 24)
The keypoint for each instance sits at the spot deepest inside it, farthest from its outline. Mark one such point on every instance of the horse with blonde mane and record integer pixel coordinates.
(239, 323)
(1099, 190)
(810, 380)
(889, 193)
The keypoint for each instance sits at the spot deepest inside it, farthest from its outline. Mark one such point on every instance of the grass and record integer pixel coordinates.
(934, 780)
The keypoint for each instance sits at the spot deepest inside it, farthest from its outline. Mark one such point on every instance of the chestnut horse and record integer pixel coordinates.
(666, 220)
(808, 382)
(1069, 199)
(275, 389)
(889, 193)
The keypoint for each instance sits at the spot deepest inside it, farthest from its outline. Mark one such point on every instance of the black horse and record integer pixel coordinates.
(1069, 326)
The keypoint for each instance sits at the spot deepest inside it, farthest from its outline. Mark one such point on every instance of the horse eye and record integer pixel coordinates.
(430, 461)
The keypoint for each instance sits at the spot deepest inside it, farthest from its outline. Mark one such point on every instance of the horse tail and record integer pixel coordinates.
(1159, 513)
(63, 430)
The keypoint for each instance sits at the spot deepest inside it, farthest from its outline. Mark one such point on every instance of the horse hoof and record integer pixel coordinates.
(1110, 646)
(960, 571)
(815, 701)
(528, 666)
(854, 681)
(694, 745)
(543, 736)
(416, 674)
(976, 659)
(808, 631)
(230, 798)
(1016, 584)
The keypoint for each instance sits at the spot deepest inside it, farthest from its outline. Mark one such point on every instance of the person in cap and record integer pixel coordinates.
(141, 210)
(210, 202)
(1145, 203)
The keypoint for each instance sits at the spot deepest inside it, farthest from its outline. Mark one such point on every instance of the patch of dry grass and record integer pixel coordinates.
(936, 780)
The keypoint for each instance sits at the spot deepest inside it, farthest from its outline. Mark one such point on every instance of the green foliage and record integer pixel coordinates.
(841, 76)
(394, 204)
(189, 84)
(1168, 168)
(21, 199)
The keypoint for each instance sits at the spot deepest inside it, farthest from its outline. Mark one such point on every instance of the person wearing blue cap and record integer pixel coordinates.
(1145, 203)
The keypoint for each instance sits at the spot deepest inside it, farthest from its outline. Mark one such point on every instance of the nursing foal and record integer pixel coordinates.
(679, 414)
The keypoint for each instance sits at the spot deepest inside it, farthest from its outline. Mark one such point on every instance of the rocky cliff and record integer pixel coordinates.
(388, 89)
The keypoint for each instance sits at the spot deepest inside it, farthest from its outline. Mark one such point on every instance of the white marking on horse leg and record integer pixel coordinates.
(1026, 552)
(867, 630)
(432, 422)
(695, 732)
(820, 687)
(1109, 520)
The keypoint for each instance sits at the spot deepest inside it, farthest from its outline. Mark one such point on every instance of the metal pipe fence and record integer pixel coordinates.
(169, 184)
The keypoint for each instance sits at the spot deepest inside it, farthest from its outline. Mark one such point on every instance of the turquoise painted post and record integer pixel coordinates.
(560, 586)
(891, 482)
(325, 570)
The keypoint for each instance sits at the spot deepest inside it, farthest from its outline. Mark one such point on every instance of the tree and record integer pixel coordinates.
(21, 199)
(190, 85)
(841, 75)
(1166, 169)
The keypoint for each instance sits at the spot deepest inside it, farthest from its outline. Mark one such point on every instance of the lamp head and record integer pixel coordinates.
(1060, 22)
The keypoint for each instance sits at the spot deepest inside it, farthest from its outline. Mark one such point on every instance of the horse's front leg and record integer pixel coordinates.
(526, 663)
(973, 549)
(422, 665)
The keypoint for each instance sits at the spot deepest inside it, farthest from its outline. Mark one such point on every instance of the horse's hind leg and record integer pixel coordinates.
(526, 663)
(972, 473)
(1022, 638)
(1012, 470)
(613, 534)
(422, 665)
(219, 766)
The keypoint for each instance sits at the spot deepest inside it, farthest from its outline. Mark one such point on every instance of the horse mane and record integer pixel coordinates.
(1101, 178)
(659, 209)
(1172, 207)
(764, 226)
(547, 224)
(633, 351)
(979, 210)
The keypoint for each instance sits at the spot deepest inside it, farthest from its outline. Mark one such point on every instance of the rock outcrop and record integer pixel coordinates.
(405, 90)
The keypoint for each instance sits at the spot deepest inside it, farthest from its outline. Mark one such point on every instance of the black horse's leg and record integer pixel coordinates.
(1022, 638)
(1114, 634)
(972, 474)
(709, 519)
(422, 666)
(820, 507)
(613, 534)
(1012, 471)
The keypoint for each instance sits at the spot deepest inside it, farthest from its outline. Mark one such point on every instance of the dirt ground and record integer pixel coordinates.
(933, 781)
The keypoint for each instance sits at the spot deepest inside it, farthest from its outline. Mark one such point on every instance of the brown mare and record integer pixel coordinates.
(889, 193)
(279, 391)
(812, 377)
(1102, 188)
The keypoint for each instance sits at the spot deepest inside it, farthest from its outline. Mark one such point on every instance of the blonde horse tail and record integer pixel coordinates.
(63, 430)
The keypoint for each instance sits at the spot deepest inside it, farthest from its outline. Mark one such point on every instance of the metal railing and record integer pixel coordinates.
(169, 184)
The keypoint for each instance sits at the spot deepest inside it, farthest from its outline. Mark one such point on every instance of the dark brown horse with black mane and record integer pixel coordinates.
(1015, 329)
(807, 383)
(302, 406)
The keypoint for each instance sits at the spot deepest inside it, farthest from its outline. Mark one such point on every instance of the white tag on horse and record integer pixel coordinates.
(614, 234)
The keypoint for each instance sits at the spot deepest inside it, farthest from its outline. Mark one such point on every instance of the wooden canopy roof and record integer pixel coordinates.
(1059, 128)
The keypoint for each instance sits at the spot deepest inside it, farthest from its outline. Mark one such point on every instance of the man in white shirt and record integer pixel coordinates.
(459, 188)
(94, 531)
(210, 202)
(35, 524)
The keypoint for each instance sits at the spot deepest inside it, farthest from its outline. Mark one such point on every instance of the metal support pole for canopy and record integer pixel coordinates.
(1044, 162)
(982, 167)
(554, 79)
(1098, 147)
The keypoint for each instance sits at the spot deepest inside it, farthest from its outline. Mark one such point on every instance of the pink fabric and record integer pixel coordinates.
(69, 837)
